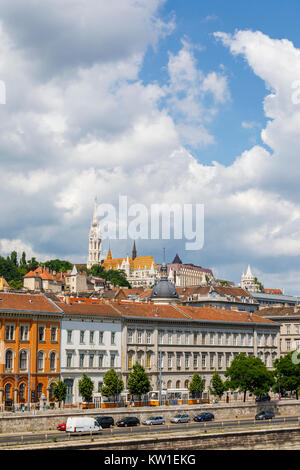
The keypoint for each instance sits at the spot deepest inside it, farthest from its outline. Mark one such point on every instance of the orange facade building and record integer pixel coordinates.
(29, 348)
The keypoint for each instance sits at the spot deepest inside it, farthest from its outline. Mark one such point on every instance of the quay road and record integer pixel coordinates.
(15, 439)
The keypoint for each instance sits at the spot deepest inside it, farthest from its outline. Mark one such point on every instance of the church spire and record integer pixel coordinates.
(133, 251)
(94, 239)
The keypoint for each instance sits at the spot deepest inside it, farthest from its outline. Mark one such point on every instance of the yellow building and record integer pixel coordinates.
(141, 271)
(3, 284)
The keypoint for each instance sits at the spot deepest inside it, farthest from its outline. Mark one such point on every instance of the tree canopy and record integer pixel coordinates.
(86, 388)
(113, 385)
(287, 373)
(218, 387)
(249, 374)
(197, 386)
(116, 276)
(138, 382)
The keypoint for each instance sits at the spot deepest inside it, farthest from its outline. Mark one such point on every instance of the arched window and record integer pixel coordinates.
(7, 391)
(40, 360)
(178, 384)
(52, 361)
(39, 391)
(22, 393)
(186, 384)
(23, 360)
(51, 392)
(8, 359)
(169, 384)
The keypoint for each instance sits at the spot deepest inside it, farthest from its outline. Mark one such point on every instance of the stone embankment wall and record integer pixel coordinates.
(23, 422)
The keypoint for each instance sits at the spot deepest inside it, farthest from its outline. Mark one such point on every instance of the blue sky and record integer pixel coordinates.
(161, 101)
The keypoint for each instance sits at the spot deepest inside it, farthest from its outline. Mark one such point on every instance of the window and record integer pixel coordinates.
(24, 333)
(178, 338)
(100, 337)
(288, 345)
(195, 360)
(69, 336)
(243, 340)
(23, 360)
(203, 338)
(220, 338)
(227, 339)
(204, 361)
(41, 333)
(250, 340)
(220, 361)
(91, 337)
(100, 361)
(187, 360)
(235, 339)
(113, 337)
(169, 360)
(211, 338)
(130, 361)
(161, 337)
(169, 338)
(139, 337)
(288, 329)
(149, 336)
(112, 360)
(227, 360)
(212, 357)
(40, 360)
(52, 361)
(195, 338)
(178, 361)
(81, 360)
(53, 334)
(69, 359)
(8, 360)
(22, 392)
(91, 360)
(81, 336)
(148, 361)
(258, 340)
(130, 336)
(9, 332)
(187, 337)
(297, 329)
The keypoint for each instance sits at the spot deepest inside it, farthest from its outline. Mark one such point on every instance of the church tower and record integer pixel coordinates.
(94, 239)
(133, 251)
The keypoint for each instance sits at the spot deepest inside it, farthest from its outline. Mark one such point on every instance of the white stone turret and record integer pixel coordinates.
(94, 239)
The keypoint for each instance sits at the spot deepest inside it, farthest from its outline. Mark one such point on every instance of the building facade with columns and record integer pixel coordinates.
(192, 340)
(30, 348)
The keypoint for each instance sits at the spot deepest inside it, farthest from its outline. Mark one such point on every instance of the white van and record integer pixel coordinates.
(82, 424)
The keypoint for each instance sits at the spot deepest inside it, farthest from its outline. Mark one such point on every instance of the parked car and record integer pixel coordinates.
(204, 417)
(265, 415)
(61, 427)
(129, 421)
(155, 420)
(180, 418)
(82, 424)
(105, 421)
(265, 397)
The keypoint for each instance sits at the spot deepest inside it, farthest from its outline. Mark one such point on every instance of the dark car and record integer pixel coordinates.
(204, 417)
(265, 397)
(265, 415)
(129, 421)
(105, 421)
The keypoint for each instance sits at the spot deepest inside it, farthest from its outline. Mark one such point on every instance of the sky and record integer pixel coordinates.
(165, 102)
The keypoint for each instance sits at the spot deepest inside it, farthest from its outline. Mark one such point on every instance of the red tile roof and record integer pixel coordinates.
(27, 302)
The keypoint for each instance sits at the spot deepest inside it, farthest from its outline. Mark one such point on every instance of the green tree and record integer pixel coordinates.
(32, 264)
(287, 373)
(14, 258)
(58, 265)
(249, 374)
(116, 276)
(261, 287)
(60, 391)
(218, 387)
(86, 388)
(113, 386)
(197, 386)
(138, 382)
(23, 259)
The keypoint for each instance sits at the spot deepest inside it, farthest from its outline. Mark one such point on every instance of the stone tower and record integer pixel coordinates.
(94, 239)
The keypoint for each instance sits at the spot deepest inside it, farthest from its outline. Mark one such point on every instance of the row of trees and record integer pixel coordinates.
(246, 374)
(13, 269)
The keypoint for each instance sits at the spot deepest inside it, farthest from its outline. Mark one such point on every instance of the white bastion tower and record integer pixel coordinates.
(94, 239)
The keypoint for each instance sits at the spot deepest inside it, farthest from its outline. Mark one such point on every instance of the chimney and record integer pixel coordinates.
(67, 299)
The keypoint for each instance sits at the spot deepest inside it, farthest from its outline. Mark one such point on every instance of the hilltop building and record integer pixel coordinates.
(248, 281)
(140, 271)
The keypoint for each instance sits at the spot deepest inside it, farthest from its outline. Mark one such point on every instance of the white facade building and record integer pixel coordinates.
(248, 281)
(90, 344)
